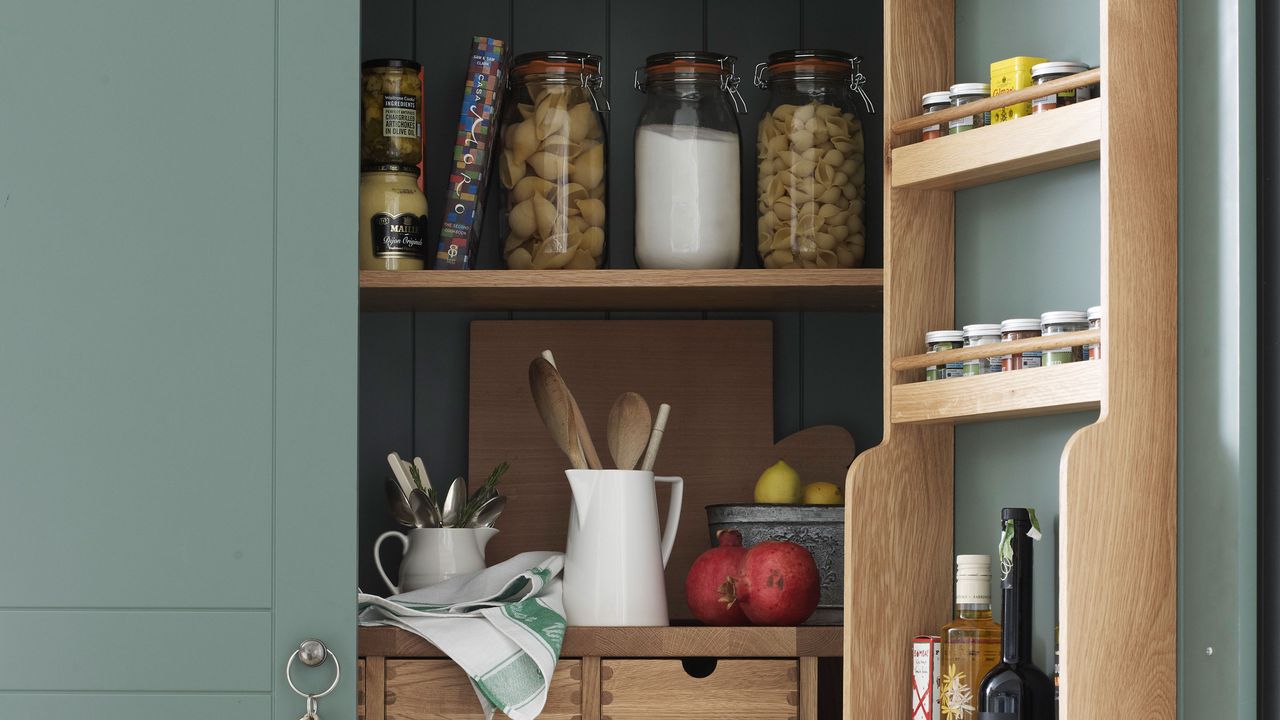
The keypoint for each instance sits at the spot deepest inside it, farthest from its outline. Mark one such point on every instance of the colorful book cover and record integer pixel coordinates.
(472, 153)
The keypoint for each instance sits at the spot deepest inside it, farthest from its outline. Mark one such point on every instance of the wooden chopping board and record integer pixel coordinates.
(716, 374)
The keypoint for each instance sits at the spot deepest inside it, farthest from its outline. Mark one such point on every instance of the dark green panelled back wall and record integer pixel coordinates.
(414, 365)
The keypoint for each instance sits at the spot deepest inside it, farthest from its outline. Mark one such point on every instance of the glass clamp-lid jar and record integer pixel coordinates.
(552, 162)
(393, 218)
(931, 103)
(1063, 321)
(1042, 73)
(688, 162)
(811, 181)
(963, 94)
(391, 105)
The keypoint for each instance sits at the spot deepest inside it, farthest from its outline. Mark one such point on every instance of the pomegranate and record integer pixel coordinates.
(779, 584)
(773, 583)
(711, 573)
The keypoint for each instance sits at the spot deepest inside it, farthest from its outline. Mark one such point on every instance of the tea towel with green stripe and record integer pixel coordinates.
(503, 626)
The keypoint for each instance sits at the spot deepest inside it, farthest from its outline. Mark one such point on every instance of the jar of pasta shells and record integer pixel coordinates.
(552, 163)
(811, 182)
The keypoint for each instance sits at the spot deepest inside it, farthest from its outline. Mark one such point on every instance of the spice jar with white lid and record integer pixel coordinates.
(688, 163)
(1019, 329)
(1042, 73)
(981, 334)
(1062, 321)
(963, 94)
(393, 218)
(931, 103)
(937, 341)
(1093, 351)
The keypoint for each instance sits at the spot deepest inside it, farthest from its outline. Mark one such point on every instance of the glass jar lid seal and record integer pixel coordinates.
(1017, 324)
(941, 97)
(389, 168)
(934, 336)
(552, 61)
(960, 89)
(390, 63)
(1064, 67)
(982, 329)
(692, 66)
(1094, 313)
(1054, 317)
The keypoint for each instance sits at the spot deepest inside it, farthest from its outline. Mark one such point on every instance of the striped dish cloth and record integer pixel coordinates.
(503, 626)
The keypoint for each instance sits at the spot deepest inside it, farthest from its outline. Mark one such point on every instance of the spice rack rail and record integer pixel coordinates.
(1045, 141)
(859, 289)
(1073, 387)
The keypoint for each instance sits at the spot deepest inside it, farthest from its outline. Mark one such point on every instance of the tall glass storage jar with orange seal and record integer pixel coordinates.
(552, 162)
(811, 181)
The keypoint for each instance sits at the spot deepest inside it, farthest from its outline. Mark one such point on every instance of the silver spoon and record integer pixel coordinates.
(399, 506)
(488, 513)
(424, 510)
(454, 501)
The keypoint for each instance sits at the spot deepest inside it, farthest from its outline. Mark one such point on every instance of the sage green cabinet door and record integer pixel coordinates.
(177, 355)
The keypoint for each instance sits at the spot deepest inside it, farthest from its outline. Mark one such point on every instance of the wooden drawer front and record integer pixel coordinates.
(661, 690)
(439, 690)
(359, 689)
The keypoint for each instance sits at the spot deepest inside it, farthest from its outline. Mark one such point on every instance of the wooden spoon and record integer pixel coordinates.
(554, 405)
(629, 425)
(587, 446)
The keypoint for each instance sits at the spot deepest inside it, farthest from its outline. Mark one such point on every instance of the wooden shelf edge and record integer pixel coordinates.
(845, 289)
(644, 642)
(1073, 387)
(1010, 149)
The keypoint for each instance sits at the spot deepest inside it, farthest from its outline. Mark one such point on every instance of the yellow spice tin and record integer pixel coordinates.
(1007, 76)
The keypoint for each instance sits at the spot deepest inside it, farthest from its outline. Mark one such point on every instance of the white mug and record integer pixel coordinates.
(433, 555)
(614, 559)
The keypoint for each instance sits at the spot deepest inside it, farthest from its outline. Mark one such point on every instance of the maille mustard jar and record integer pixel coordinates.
(812, 176)
(552, 163)
(391, 101)
(393, 218)
(689, 162)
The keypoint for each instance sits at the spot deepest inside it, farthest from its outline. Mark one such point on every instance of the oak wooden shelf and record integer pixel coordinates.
(1022, 393)
(1044, 141)
(643, 642)
(844, 289)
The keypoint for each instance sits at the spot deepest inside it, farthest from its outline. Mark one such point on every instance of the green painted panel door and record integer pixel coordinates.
(177, 355)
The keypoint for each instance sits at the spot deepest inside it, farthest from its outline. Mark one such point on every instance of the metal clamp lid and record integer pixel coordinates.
(729, 80)
(857, 81)
(590, 75)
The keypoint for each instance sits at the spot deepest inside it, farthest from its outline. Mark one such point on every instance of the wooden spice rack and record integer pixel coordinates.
(1118, 476)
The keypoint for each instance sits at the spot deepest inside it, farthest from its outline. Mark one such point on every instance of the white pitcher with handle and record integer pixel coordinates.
(614, 560)
(433, 555)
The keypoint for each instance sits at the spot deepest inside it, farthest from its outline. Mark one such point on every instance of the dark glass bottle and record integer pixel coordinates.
(1016, 689)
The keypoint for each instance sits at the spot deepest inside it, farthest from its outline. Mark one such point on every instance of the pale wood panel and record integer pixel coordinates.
(645, 642)
(1119, 477)
(721, 420)
(899, 518)
(590, 670)
(594, 290)
(1044, 141)
(1022, 393)
(807, 694)
(662, 690)
(375, 687)
(440, 690)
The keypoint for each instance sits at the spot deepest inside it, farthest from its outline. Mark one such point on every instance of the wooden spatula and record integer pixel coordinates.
(554, 405)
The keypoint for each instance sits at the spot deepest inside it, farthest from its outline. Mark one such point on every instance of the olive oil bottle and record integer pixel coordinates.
(971, 642)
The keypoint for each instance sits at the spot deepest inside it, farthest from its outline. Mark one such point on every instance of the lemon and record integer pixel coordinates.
(779, 483)
(823, 493)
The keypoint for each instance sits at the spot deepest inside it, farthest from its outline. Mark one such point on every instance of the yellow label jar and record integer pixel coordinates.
(1007, 76)
(393, 218)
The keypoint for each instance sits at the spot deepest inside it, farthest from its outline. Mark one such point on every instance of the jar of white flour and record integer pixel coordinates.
(688, 162)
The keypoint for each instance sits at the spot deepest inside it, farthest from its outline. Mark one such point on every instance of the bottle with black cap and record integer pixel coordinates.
(1016, 689)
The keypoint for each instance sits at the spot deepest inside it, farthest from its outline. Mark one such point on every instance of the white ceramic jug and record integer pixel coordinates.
(614, 560)
(433, 555)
